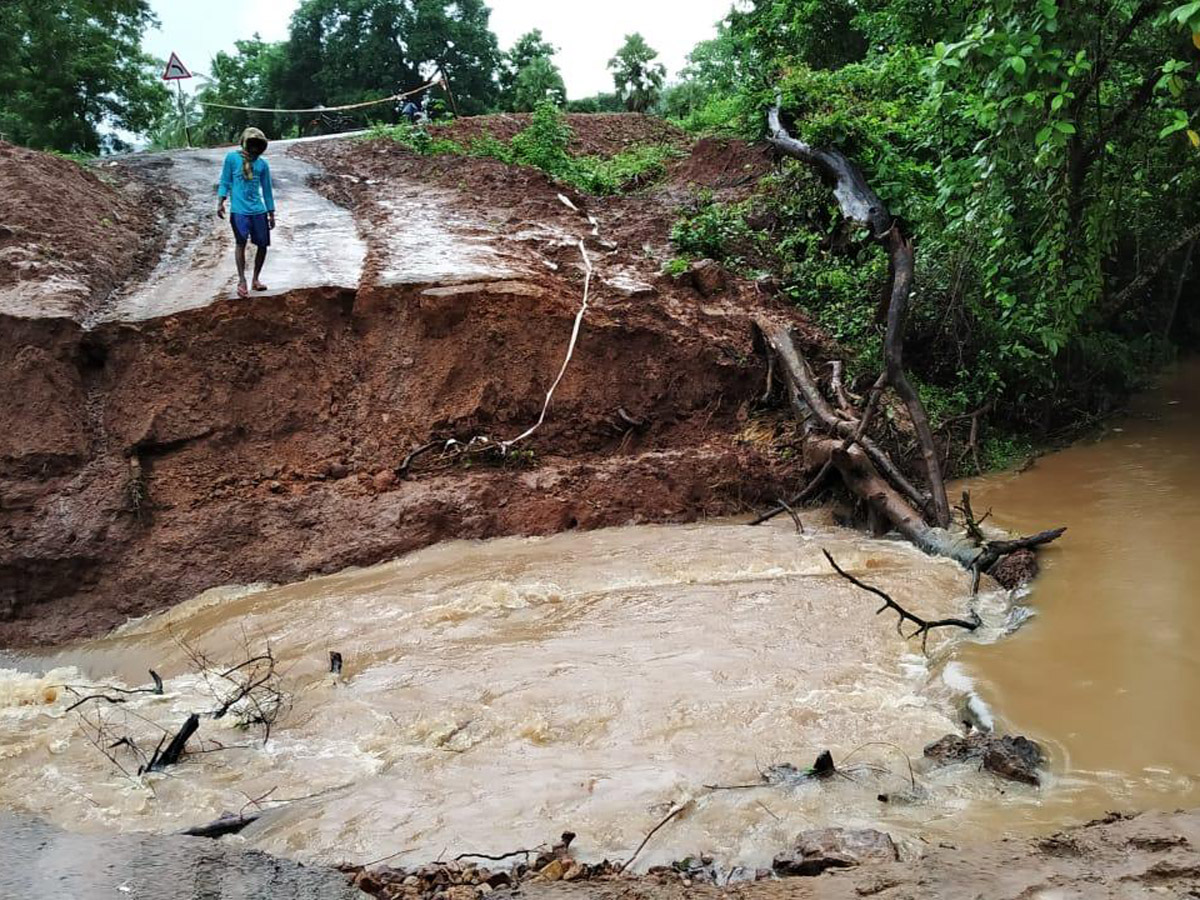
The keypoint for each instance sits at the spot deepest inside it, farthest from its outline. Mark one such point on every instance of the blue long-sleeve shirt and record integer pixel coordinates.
(247, 197)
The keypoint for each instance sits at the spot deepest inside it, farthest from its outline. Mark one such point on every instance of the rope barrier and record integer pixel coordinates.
(326, 109)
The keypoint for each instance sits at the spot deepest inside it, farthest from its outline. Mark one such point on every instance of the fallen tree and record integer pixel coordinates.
(838, 437)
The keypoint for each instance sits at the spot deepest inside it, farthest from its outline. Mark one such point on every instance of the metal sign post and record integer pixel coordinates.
(176, 71)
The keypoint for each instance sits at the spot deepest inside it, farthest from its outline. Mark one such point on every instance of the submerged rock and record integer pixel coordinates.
(835, 848)
(1016, 569)
(1013, 757)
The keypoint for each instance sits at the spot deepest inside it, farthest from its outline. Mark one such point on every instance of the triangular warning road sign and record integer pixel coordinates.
(175, 70)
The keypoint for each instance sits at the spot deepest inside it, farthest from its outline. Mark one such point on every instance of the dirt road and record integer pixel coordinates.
(316, 243)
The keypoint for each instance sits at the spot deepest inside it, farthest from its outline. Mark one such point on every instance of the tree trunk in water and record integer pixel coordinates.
(857, 468)
(860, 204)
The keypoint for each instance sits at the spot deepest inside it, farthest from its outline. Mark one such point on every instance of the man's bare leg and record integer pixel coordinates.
(239, 254)
(259, 258)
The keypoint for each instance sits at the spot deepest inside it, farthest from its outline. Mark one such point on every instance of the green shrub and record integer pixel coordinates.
(712, 230)
(491, 148)
(677, 266)
(415, 138)
(543, 145)
(627, 170)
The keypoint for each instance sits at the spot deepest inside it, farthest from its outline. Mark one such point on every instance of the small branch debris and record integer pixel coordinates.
(108, 690)
(653, 831)
(250, 691)
(923, 626)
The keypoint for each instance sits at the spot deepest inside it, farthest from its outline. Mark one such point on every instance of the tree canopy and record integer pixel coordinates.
(73, 70)
(346, 51)
(528, 74)
(637, 78)
(537, 81)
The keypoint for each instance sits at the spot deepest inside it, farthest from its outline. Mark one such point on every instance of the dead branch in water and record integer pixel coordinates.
(170, 756)
(924, 626)
(249, 690)
(671, 815)
(809, 491)
(108, 690)
(791, 512)
(972, 524)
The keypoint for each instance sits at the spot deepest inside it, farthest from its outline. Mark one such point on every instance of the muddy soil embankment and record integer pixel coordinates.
(143, 462)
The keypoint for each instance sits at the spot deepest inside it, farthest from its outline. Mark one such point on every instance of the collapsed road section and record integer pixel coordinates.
(159, 436)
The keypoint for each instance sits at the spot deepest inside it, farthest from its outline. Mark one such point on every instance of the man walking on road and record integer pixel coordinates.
(246, 178)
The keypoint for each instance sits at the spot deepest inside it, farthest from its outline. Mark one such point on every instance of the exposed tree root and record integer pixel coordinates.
(851, 459)
(838, 438)
(860, 204)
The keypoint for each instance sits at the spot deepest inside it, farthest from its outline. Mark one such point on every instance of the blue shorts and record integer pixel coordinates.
(253, 228)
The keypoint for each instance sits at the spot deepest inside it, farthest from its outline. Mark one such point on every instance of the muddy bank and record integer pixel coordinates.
(250, 442)
(71, 234)
(144, 461)
(39, 860)
(1150, 855)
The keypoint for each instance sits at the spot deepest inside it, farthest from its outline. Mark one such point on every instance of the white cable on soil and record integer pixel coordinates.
(587, 282)
(482, 441)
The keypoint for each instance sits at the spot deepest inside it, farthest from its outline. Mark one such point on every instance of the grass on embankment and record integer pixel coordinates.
(543, 145)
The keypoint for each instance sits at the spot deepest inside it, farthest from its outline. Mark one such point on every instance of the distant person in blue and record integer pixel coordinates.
(246, 178)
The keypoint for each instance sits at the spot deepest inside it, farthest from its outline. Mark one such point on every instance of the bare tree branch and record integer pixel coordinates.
(924, 626)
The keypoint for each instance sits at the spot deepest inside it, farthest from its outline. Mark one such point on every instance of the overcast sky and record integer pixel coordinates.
(586, 35)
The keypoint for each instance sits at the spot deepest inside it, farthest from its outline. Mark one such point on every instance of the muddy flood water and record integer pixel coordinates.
(495, 694)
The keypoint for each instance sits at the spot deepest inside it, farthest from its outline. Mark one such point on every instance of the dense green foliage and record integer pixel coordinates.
(1041, 153)
(636, 76)
(528, 74)
(70, 68)
(249, 77)
(346, 51)
(544, 145)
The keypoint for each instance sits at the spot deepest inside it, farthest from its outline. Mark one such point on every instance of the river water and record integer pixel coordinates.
(496, 693)
(1109, 671)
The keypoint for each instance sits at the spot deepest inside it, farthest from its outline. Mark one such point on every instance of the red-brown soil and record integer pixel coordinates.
(246, 441)
(601, 134)
(81, 229)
